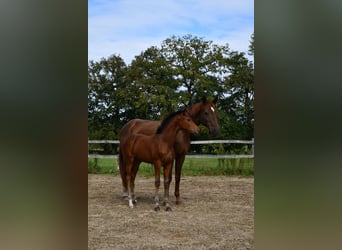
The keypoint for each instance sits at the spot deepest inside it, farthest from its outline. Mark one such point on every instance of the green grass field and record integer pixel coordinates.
(191, 167)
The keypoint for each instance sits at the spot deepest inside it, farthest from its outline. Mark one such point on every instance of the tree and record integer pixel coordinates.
(238, 104)
(182, 71)
(105, 79)
(196, 65)
(150, 86)
(163, 79)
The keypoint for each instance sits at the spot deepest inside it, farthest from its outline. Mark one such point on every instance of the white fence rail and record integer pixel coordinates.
(218, 156)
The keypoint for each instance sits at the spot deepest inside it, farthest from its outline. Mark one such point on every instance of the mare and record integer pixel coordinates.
(202, 112)
(157, 149)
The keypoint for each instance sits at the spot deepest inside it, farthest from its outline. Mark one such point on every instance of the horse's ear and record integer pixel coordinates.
(215, 100)
(204, 99)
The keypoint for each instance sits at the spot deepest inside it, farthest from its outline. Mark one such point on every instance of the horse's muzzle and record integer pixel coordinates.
(214, 131)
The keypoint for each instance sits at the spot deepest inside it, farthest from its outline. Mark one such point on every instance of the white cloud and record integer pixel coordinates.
(128, 27)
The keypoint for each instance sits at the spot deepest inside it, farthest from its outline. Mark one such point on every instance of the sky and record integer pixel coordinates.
(128, 27)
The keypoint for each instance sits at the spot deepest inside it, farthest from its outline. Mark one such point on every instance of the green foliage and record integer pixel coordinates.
(236, 166)
(197, 65)
(105, 78)
(93, 166)
(163, 79)
(191, 167)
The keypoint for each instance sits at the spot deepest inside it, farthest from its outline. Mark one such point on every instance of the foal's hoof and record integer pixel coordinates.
(124, 194)
(168, 209)
(157, 209)
(130, 204)
(135, 202)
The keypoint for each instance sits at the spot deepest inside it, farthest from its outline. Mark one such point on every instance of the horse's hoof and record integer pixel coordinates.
(157, 209)
(178, 202)
(168, 209)
(124, 195)
(135, 202)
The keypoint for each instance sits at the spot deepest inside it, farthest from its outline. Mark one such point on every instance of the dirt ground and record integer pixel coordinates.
(215, 213)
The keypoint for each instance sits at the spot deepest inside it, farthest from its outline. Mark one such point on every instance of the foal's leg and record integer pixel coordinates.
(122, 169)
(167, 181)
(134, 171)
(157, 184)
(130, 184)
(178, 171)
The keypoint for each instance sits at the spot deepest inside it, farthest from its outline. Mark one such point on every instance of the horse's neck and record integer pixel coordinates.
(194, 112)
(168, 134)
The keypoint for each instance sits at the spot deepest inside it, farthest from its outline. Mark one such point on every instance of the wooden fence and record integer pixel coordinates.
(217, 156)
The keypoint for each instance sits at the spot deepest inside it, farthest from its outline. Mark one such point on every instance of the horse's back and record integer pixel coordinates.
(139, 126)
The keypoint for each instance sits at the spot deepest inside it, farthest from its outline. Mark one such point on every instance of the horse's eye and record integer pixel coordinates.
(206, 113)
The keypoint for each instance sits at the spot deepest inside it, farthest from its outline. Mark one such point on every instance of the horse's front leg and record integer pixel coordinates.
(178, 172)
(167, 181)
(157, 185)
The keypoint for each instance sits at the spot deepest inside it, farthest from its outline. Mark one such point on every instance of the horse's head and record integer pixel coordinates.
(205, 113)
(185, 122)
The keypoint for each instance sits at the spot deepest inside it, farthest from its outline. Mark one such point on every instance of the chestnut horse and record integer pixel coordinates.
(203, 112)
(157, 149)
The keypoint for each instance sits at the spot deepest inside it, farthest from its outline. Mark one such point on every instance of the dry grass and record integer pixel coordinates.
(216, 213)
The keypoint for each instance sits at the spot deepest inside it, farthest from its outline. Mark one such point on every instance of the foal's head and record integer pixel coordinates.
(185, 122)
(182, 119)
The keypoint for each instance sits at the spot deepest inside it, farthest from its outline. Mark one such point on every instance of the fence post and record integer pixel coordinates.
(253, 146)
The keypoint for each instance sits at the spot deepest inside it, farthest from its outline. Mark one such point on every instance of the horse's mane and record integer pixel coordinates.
(167, 120)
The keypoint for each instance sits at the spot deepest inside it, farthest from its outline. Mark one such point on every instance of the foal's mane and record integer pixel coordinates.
(167, 120)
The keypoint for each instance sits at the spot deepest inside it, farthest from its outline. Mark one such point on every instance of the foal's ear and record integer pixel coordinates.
(186, 112)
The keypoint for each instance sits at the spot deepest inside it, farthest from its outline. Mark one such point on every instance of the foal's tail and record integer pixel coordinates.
(122, 170)
(126, 130)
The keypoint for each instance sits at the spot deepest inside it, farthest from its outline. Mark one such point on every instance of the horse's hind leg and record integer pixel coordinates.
(178, 171)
